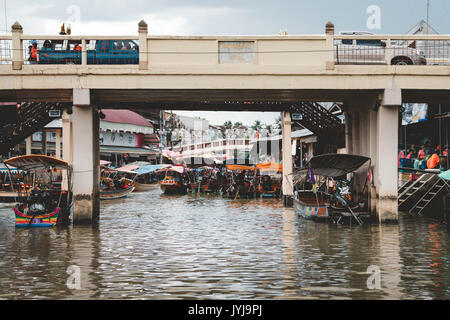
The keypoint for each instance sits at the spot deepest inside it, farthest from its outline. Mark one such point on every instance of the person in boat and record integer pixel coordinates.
(266, 183)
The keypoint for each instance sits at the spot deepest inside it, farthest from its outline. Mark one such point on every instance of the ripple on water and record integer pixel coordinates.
(152, 246)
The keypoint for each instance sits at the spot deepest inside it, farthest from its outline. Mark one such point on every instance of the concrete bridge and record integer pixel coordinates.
(229, 73)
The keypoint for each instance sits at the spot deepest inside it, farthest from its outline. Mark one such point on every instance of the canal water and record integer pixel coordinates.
(152, 246)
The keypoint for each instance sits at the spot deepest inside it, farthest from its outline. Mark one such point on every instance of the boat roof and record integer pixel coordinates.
(239, 167)
(36, 161)
(334, 165)
(270, 166)
(179, 169)
(150, 168)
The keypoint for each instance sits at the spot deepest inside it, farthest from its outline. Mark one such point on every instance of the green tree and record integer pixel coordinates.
(256, 125)
(278, 122)
(237, 124)
(228, 124)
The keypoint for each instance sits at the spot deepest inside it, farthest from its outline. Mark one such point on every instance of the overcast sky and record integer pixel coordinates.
(215, 17)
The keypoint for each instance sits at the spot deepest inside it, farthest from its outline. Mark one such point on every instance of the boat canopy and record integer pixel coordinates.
(36, 161)
(150, 168)
(179, 169)
(239, 167)
(270, 166)
(334, 165)
(128, 167)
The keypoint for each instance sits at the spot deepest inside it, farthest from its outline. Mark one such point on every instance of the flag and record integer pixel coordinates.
(311, 175)
(370, 177)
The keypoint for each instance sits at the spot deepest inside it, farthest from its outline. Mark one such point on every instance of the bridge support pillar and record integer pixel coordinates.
(86, 159)
(387, 173)
(28, 145)
(287, 187)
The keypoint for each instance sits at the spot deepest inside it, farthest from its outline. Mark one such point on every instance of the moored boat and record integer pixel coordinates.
(270, 177)
(116, 184)
(49, 201)
(175, 180)
(325, 193)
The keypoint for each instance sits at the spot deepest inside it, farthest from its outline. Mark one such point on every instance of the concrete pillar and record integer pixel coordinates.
(58, 144)
(86, 159)
(287, 187)
(17, 46)
(355, 133)
(67, 137)
(373, 153)
(28, 145)
(329, 34)
(387, 127)
(348, 133)
(143, 49)
(44, 142)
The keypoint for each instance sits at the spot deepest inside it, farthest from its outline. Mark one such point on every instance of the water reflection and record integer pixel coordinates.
(152, 246)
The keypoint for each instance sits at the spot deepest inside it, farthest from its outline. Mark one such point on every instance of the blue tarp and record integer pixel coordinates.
(150, 168)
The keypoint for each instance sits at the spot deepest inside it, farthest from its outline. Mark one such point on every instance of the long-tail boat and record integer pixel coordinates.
(147, 178)
(49, 201)
(270, 178)
(242, 182)
(175, 180)
(116, 184)
(322, 191)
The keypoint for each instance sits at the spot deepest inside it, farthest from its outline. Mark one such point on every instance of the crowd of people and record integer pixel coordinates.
(425, 157)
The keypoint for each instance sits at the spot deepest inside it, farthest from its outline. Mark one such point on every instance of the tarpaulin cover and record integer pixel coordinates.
(334, 165)
(36, 161)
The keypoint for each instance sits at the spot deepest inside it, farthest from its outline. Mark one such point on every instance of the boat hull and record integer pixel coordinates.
(311, 212)
(109, 195)
(140, 187)
(38, 221)
(173, 187)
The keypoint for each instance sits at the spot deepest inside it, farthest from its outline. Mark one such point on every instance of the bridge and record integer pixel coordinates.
(232, 73)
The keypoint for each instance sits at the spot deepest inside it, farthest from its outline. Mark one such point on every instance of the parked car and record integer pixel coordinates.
(97, 52)
(372, 51)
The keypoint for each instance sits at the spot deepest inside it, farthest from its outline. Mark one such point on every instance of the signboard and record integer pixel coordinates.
(120, 139)
(297, 116)
(414, 113)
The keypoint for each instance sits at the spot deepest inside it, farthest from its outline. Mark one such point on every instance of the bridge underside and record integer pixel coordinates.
(216, 99)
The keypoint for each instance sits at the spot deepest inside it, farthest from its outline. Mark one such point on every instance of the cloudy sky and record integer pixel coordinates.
(221, 17)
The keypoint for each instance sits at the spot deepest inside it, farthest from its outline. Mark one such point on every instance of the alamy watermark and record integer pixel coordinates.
(374, 19)
(374, 280)
(74, 279)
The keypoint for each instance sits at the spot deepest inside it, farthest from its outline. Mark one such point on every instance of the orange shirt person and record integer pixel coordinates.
(433, 162)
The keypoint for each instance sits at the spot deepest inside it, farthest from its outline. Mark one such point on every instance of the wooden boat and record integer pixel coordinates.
(204, 180)
(116, 184)
(174, 181)
(270, 179)
(321, 203)
(242, 183)
(147, 178)
(116, 194)
(47, 203)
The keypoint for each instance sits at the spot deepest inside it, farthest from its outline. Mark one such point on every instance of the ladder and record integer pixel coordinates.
(415, 191)
(428, 197)
(405, 186)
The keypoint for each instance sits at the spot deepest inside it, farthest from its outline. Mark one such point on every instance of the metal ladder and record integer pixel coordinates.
(428, 197)
(415, 188)
(405, 186)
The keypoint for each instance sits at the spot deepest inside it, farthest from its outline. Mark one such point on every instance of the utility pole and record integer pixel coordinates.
(428, 15)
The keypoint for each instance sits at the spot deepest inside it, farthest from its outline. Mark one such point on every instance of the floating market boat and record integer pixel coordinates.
(147, 177)
(49, 200)
(270, 177)
(242, 182)
(175, 180)
(116, 184)
(325, 193)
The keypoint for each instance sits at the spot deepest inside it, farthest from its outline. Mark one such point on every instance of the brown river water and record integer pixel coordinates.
(152, 246)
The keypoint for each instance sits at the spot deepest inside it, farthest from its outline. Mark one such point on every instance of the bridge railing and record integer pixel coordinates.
(317, 51)
(5, 50)
(392, 49)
